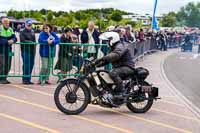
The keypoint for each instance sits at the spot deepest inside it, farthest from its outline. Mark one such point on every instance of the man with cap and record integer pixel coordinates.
(7, 38)
(27, 36)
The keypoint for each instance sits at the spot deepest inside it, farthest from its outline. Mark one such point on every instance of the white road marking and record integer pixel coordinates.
(195, 56)
(182, 58)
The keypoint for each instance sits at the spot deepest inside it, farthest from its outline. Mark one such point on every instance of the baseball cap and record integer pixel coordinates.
(29, 22)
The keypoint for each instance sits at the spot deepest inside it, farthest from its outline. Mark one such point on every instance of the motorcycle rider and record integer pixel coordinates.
(121, 58)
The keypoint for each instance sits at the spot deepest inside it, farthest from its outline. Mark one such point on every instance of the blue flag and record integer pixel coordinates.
(154, 19)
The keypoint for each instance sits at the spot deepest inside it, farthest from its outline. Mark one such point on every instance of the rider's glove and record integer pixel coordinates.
(99, 62)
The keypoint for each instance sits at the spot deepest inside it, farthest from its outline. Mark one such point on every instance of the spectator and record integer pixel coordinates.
(76, 32)
(90, 36)
(123, 37)
(198, 42)
(78, 59)
(7, 38)
(47, 40)
(130, 35)
(162, 40)
(97, 29)
(149, 34)
(171, 36)
(19, 27)
(141, 35)
(188, 42)
(66, 52)
(151, 37)
(27, 35)
(22, 26)
(178, 38)
(196, 37)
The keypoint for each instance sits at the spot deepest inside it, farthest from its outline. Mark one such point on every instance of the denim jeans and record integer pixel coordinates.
(45, 69)
(5, 65)
(28, 63)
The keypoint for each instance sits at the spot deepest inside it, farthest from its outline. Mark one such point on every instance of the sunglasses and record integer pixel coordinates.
(29, 25)
(45, 28)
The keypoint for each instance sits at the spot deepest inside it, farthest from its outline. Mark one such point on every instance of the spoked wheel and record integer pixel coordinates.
(71, 98)
(140, 105)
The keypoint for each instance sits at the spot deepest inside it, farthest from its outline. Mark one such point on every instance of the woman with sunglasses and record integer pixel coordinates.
(48, 40)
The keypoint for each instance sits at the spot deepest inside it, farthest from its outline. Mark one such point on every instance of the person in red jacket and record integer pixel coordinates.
(141, 35)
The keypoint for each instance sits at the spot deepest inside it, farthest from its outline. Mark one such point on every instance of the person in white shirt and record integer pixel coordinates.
(90, 36)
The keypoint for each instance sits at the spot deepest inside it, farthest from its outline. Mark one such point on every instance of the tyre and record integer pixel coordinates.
(68, 100)
(140, 105)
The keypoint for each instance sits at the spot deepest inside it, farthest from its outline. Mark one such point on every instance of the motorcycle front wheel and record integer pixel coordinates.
(71, 97)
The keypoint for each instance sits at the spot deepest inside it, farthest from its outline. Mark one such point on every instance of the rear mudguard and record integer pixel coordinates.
(155, 90)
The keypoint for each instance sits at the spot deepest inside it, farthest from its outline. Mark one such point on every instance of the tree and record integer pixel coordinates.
(19, 15)
(83, 24)
(37, 16)
(43, 11)
(102, 24)
(11, 13)
(50, 16)
(15, 14)
(62, 21)
(139, 24)
(189, 15)
(116, 16)
(102, 17)
(169, 20)
(80, 15)
(59, 13)
(132, 23)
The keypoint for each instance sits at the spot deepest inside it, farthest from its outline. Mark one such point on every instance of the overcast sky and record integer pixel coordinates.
(135, 6)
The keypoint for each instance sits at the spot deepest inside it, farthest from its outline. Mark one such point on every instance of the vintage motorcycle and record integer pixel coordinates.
(73, 95)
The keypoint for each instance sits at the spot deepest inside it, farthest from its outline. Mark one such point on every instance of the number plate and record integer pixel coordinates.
(147, 89)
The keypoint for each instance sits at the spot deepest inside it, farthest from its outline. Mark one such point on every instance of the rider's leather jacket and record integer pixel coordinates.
(119, 56)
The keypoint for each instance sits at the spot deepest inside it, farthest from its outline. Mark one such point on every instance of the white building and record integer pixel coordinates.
(146, 19)
(3, 14)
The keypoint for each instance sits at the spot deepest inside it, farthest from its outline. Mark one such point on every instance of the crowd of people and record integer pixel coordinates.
(70, 55)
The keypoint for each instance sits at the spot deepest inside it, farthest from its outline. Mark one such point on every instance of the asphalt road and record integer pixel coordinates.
(31, 109)
(183, 70)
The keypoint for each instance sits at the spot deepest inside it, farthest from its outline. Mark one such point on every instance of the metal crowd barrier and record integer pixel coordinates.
(145, 47)
(67, 61)
(70, 57)
(16, 64)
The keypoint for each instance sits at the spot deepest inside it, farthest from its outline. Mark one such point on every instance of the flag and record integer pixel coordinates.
(154, 19)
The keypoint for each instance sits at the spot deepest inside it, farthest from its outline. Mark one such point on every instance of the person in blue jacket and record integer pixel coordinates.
(48, 40)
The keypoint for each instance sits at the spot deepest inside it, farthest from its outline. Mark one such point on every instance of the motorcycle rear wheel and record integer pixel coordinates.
(132, 106)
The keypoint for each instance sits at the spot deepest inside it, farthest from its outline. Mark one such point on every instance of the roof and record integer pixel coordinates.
(33, 20)
(12, 19)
